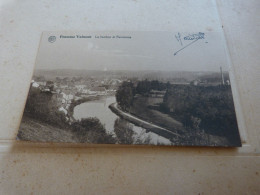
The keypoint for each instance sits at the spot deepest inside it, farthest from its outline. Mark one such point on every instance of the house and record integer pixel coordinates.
(114, 82)
(98, 91)
(80, 87)
(67, 96)
(195, 82)
(157, 93)
(34, 84)
(46, 89)
(85, 91)
(77, 98)
(63, 110)
(42, 83)
(227, 82)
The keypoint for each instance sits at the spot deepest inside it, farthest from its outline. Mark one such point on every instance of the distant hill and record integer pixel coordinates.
(150, 75)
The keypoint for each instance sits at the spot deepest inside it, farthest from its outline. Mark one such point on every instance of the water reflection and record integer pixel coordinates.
(126, 132)
(98, 108)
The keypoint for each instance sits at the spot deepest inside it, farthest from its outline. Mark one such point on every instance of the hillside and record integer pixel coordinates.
(36, 130)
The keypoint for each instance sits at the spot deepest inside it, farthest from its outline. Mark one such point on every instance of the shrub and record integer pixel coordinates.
(123, 131)
(90, 130)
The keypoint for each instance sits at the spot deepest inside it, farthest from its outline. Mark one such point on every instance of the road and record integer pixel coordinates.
(147, 125)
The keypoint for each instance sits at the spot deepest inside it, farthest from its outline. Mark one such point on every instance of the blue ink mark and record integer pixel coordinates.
(194, 37)
(199, 35)
(185, 47)
(178, 37)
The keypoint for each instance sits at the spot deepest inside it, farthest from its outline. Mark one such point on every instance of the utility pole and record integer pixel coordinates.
(222, 76)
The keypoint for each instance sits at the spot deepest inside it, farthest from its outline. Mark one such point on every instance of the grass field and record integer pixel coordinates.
(31, 129)
(142, 109)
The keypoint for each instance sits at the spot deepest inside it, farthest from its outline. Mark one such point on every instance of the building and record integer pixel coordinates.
(63, 110)
(98, 91)
(157, 94)
(195, 82)
(34, 84)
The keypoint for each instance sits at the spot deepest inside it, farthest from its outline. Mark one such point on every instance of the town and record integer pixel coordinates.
(68, 90)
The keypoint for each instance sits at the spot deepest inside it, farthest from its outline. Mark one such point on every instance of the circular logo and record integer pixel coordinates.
(52, 39)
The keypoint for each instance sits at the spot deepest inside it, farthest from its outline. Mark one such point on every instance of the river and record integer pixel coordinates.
(99, 108)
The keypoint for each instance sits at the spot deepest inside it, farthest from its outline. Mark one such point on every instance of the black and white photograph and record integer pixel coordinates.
(143, 88)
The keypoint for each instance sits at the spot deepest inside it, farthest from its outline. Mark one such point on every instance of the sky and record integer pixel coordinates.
(144, 51)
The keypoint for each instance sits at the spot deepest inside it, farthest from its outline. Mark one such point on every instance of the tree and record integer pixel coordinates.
(125, 95)
(143, 87)
(124, 131)
(90, 130)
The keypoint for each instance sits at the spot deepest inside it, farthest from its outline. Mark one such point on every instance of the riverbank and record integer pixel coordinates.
(141, 123)
(147, 108)
(75, 103)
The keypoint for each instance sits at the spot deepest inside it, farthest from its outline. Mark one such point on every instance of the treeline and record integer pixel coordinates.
(43, 106)
(125, 95)
(145, 86)
(127, 90)
(203, 110)
(209, 109)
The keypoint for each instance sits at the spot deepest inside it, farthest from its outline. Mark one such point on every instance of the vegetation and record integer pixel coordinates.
(90, 130)
(123, 131)
(125, 95)
(144, 87)
(41, 110)
(200, 108)
(203, 115)
(43, 106)
(126, 91)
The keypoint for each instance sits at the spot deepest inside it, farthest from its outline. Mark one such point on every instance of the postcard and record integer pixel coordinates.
(146, 88)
